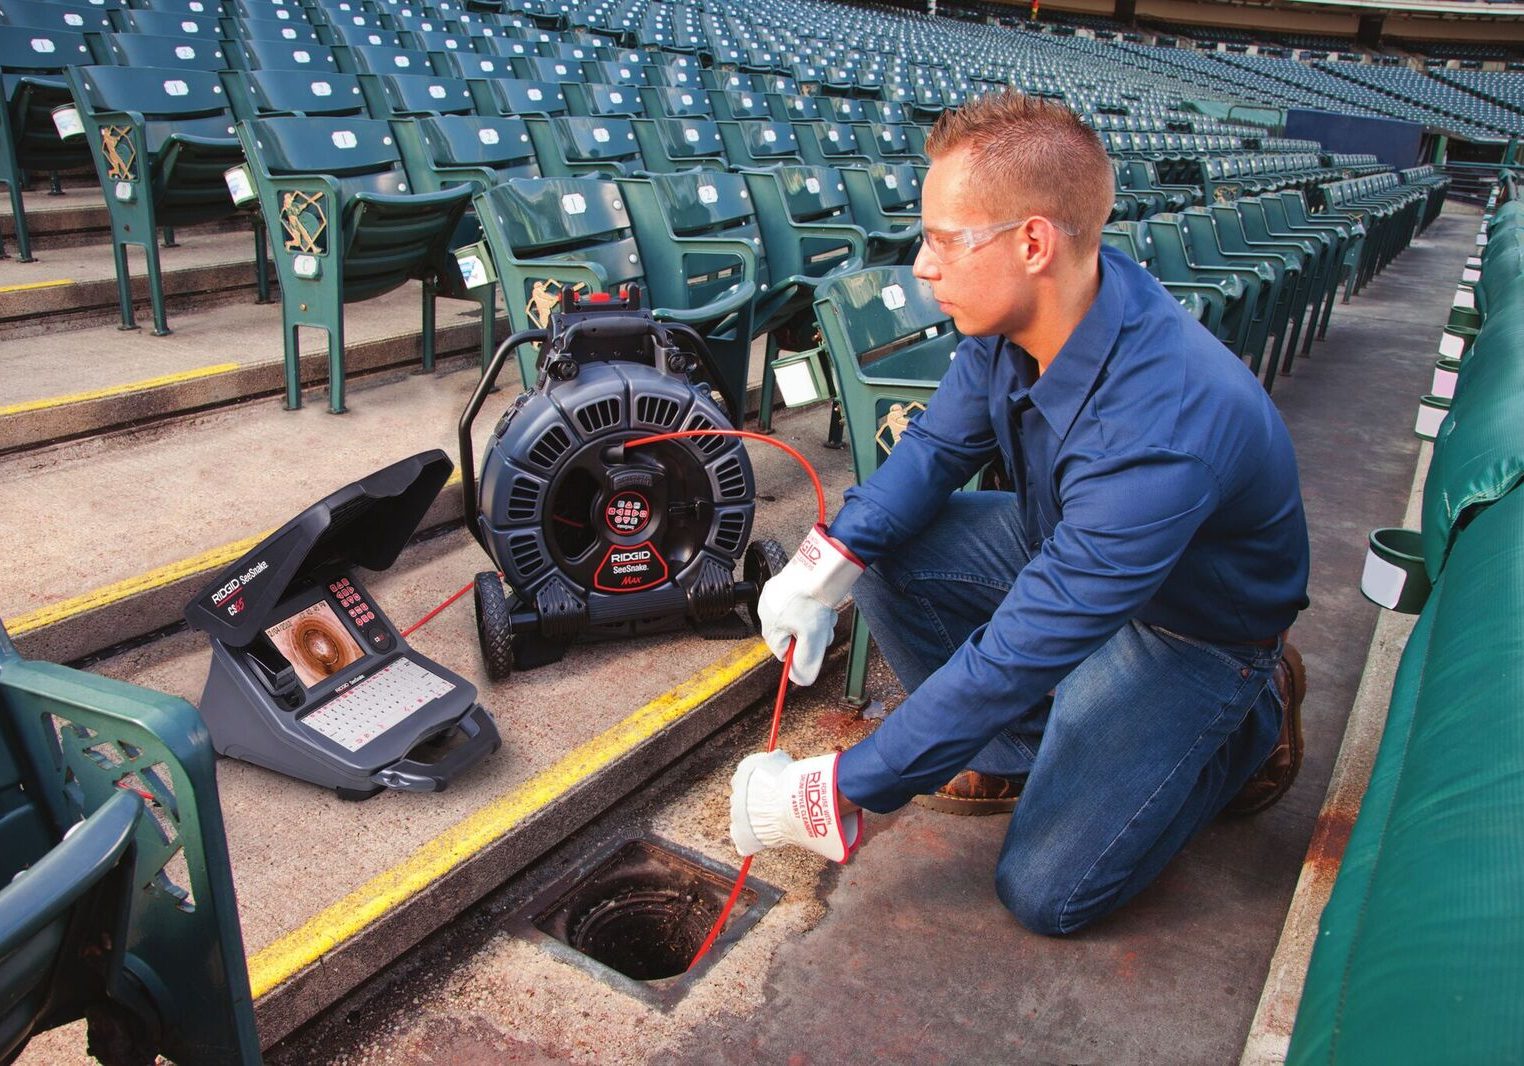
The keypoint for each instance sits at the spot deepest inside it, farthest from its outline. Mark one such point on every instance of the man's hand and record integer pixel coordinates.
(775, 800)
(800, 602)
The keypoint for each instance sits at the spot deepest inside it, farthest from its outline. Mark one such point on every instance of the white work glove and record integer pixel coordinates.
(800, 602)
(775, 800)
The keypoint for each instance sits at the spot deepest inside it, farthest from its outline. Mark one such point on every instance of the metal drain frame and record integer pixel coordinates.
(662, 993)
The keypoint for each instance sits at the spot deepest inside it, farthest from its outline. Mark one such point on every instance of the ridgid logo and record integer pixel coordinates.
(816, 805)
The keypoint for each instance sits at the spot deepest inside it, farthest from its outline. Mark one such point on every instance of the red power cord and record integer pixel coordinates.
(788, 659)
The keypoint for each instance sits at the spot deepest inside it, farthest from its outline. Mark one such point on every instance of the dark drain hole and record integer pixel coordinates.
(643, 912)
(645, 934)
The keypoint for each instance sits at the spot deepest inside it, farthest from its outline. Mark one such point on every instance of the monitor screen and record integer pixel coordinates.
(315, 642)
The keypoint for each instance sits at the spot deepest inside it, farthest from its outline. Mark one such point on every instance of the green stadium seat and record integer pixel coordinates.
(83, 759)
(350, 227)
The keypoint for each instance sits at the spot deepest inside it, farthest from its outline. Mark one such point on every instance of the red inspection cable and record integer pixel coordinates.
(788, 659)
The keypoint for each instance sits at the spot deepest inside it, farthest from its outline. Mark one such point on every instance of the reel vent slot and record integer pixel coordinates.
(659, 412)
(552, 444)
(599, 416)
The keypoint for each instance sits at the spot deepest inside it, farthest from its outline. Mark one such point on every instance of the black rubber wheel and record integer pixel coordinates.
(494, 625)
(764, 559)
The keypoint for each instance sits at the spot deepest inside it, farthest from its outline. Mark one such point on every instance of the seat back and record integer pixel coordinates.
(889, 345)
(406, 95)
(669, 144)
(517, 96)
(270, 93)
(546, 234)
(759, 142)
(152, 50)
(580, 144)
(662, 101)
(81, 757)
(44, 14)
(445, 150)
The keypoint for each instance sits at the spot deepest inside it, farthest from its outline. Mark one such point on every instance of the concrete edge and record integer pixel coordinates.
(126, 610)
(183, 394)
(514, 832)
(1270, 1032)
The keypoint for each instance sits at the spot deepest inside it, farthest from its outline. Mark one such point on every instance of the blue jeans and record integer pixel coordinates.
(1137, 749)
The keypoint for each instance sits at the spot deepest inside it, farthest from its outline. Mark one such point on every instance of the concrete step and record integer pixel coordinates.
(75, 287)
(76, 217)
(62, 386)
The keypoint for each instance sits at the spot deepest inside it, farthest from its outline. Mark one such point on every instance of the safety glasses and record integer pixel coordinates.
(950, 245)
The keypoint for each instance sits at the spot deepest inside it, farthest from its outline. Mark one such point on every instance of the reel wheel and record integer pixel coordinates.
(764, 559)
(494, 625)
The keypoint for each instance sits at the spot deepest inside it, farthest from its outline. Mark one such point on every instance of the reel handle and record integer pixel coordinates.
(479, 397)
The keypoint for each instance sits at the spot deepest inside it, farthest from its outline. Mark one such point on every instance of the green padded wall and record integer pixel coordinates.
(1417, 959)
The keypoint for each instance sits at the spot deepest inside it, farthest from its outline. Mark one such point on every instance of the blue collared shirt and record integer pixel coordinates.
(1158, 483)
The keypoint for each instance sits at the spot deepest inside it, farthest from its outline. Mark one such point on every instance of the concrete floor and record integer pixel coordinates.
(905, 955)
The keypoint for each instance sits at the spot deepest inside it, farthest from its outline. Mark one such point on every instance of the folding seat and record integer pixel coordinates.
(891, 142)
(795, 108)
(612, 73)
(889, 345)
(359, 29)
(842, 109)
(543, 68)
(276, 93)
(547, 234)
(663, 102)
(602, 100)
(278, 10)
(1240, 232)
(112, 829)
(807, 235)
(1243, 295)
(516, 96)
(152, 50)
(32, 63)
(438, 43)
(1128, 237)
(169, 24)
(673, 144)
(305, 56)
(404, 95)
(759, 143)
(161, 140)
(740, 104)
(885, 200)
(196, 8)
(237, 32)
(504, 45)
(671, 76)
(829, 144)
(350, 228)
(44, 14)
(1189, 253)
(580, 144)
(382, 59)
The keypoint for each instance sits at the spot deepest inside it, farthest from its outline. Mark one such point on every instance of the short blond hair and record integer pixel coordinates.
(1031, 156)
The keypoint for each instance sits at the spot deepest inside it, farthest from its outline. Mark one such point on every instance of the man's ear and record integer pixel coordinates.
(1038, 240)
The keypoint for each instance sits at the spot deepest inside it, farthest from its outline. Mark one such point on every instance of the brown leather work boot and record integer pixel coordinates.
(974, 793)
(1270, 782)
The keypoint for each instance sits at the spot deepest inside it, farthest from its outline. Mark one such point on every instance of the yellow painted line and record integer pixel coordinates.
(118, 390)
(54, 613)
(302, 947)
(29, 286)
(147, 581)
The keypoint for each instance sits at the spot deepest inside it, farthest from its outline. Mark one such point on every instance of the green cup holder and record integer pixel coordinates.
(1464, 317)
(1431, 414)
(1394, 575)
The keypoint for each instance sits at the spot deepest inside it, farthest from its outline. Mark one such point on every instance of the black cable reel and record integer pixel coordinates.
(595, 540)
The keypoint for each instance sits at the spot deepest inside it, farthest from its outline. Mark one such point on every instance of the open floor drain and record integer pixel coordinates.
(641, 914)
